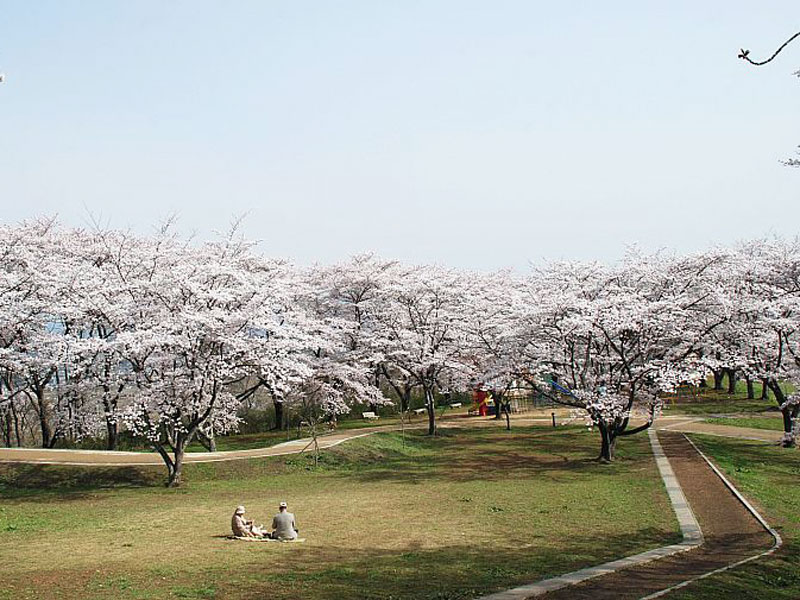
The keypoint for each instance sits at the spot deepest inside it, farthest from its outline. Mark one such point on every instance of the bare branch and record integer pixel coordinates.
(744, 54)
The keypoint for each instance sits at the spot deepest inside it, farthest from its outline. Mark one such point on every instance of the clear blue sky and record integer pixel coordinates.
(475, 134)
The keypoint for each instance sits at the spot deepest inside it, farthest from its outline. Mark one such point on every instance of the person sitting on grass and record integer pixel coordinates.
(283, 524)
(244, 527)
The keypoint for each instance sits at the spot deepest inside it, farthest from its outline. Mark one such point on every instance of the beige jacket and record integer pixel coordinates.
(240, 526)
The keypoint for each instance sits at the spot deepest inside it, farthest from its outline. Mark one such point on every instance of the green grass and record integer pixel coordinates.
(771, 423)
(253, 440)
(248, 441)
(707, 401)
(450, 517)
(768, 476)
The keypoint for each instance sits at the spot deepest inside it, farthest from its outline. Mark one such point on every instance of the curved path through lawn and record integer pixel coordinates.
(108, 458)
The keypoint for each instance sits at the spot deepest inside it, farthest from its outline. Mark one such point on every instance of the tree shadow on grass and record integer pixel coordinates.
(456, 455)
(316, 571)
(25, 481)
(557, 455)
(747, 451)
(453, 572)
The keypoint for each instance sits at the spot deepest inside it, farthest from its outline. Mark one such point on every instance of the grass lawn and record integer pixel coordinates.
(768, 476)
(262, 439)
(707, 401)
(467, 512)
(712, 404)
(771, 422)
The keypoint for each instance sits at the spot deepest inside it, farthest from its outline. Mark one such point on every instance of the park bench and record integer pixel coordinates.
(419, 411)
(455, 405)
(369, 415)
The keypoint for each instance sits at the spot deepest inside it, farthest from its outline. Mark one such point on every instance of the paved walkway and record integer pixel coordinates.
(690, 531)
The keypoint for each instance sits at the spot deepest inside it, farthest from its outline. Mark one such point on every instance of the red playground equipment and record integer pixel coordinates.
(482, 402)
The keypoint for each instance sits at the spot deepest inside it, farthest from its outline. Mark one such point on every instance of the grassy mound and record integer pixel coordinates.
(450, 517)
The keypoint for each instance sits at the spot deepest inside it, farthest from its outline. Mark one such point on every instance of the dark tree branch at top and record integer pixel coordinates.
(744, 54)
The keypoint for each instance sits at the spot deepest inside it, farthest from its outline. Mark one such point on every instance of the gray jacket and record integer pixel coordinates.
(284, 526)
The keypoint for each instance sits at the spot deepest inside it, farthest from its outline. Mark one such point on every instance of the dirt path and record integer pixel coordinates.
(126, 459)
(731, 534)
(107, 458)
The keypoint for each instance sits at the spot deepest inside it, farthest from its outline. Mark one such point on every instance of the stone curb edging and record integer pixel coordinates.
(690, 528)
(775, 535)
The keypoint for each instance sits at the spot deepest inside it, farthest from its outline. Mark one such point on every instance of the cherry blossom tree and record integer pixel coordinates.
(209, 318)
(343, 340)
(494, 355)
(421, 309)
(104, 330)
(762, 335)
(610, 340)
(41, 330)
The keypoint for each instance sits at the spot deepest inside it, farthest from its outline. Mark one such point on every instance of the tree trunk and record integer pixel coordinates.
(751, 392)
(173, 462)
(731, 381)
(44, 419)
(608, 443)
(112, 434)
(16, 424)
(404, 394)
(429, 404)
(176, 471)
(764, 389)
(7, 429)
(718, 373)
(207, 440)
(788, 429)
(112, 428)
(279, 417)
(788, 414)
